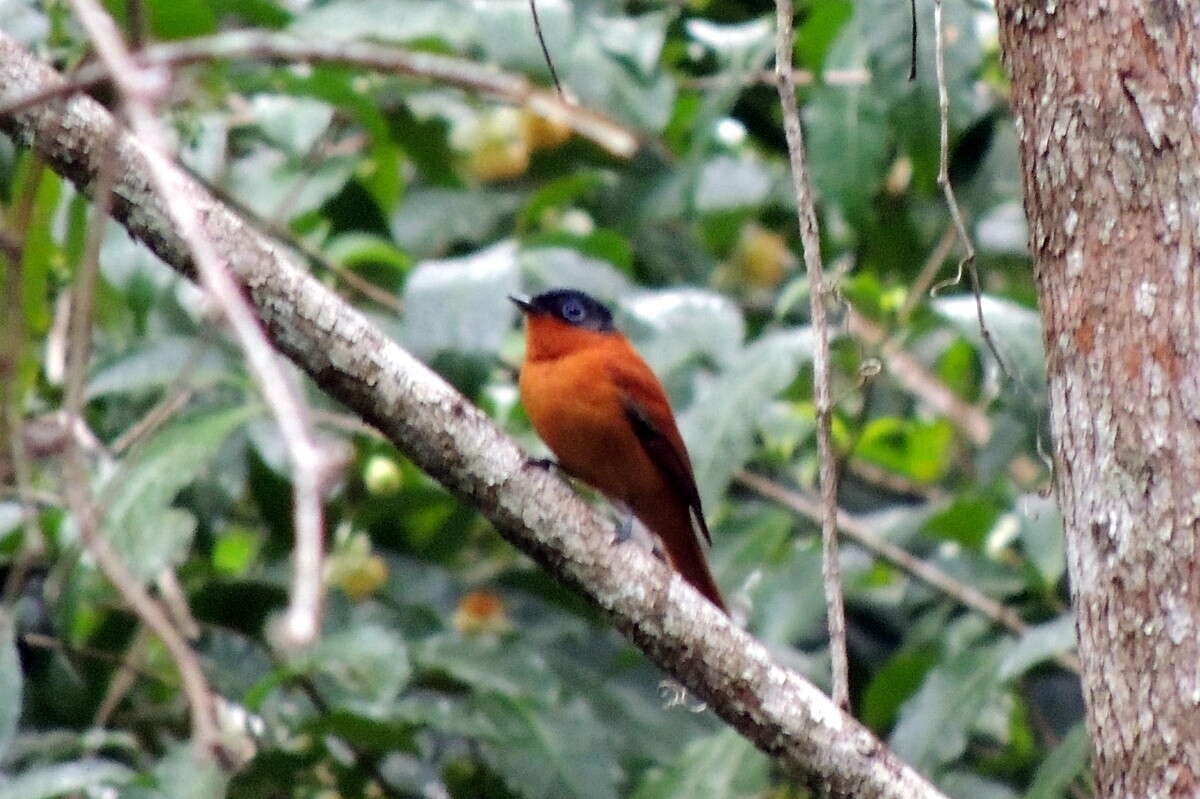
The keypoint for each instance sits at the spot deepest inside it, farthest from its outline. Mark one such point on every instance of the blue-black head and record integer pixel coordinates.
(571, 306)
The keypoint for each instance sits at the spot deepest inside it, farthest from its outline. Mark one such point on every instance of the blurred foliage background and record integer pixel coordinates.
(449, 665)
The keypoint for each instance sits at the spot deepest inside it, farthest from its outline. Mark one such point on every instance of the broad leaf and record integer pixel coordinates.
(719, 425)
(461, 305)
(1042, 536)
(45, 782)
(148, 534)
(720, 766)
(363, 668)
(1060, 768)
(549, 752)
(1038, 644)
(1017, 331)
(934, 724)
(670, 328)
(156, 364)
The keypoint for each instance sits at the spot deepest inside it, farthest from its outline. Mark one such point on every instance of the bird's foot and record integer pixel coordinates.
(545, 464)
(624, 530)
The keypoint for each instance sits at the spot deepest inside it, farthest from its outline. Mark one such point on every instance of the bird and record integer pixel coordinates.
(606, 417)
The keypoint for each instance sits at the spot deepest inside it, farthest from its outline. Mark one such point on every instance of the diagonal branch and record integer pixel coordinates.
(781, 712)
(268, 46)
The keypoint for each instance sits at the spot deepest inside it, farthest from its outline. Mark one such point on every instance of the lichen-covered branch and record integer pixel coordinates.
(444, 434)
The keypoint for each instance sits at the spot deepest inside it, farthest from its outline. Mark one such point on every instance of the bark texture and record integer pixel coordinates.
(350, 359)
(1106, 95)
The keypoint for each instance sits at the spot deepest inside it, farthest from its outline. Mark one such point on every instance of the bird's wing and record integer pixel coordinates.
(649, 415)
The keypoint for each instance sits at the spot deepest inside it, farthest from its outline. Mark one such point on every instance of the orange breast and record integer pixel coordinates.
(577, 410)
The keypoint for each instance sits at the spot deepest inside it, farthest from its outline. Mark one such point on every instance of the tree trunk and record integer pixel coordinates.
(1106, 102)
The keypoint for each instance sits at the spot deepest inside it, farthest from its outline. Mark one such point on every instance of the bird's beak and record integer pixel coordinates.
(522, 302)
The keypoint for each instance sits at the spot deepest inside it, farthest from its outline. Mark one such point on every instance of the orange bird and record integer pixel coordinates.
(606, 417)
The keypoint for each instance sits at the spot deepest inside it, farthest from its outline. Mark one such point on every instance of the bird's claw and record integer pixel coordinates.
(624, 530)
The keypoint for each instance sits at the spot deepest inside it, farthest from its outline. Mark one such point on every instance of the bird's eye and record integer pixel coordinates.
(572, 311)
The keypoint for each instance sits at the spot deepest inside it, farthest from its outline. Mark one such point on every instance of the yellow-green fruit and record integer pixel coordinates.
(545, 133)
(761, 257)
(363, 578)
(499, 146)
(382, 476)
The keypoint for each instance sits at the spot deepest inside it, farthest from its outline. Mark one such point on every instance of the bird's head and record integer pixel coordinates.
(562, 321)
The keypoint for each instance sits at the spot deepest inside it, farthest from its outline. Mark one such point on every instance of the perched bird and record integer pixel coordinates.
(606, 417)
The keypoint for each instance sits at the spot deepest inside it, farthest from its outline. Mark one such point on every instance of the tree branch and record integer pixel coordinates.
(822, 393)
(776, 708)
(467, 75)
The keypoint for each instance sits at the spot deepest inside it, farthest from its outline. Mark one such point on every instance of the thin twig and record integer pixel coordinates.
(943, 179)
(537, 28)
(811, 240)
(912, 64)
(309, 463)
(468, 75)
(124, 678)
(12, 411)
(205, 729)
(176, 399)
(40, 641)
(284, 236)
(932, 576)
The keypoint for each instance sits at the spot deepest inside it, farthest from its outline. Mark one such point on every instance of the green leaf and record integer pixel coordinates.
(720, 766)
(733, 182)
(11, 681)
(558, 193)
(49, 781)
(554, 267)
(507, 36)
(933, 725)
(431, 220)
(896, 681)
(549, 752)
(1042, 536)
(155, 363)
(604, 244)
(40, 253)
(460, 305)
(357, 249)
(916, 449)
(719, 424)
(181, 19)
(502, 668)
(1017, 331)
(848, 140)
(673, 327)
(181, 774)
(276, 186)
(605, 67)
(788, 603)
(395, 20)
(1060, 768)
(293, 124)
(140, 523)
(967, 521)
(1038, 644)
(363, 668)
